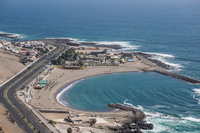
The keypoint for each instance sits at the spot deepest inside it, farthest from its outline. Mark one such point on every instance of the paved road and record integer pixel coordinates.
(11, 95)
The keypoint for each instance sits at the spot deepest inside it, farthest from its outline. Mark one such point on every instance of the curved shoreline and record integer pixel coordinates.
(62, 90)
(69, 76)
(141, 64)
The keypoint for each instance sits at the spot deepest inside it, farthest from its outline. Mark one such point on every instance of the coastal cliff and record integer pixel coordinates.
(134, 123)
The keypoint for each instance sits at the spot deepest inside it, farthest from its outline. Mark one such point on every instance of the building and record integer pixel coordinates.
(43, 83)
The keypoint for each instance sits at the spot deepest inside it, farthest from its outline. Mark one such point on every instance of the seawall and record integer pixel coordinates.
(174, 75)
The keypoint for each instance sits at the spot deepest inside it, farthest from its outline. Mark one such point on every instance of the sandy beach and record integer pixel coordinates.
(46, 98)
(63, 76)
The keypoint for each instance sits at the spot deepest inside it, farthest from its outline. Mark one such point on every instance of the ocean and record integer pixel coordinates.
(167, 29)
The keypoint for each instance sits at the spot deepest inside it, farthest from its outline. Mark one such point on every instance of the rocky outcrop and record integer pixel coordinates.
(138, 115)
(6, 35)
(76, 43)
(134, 123)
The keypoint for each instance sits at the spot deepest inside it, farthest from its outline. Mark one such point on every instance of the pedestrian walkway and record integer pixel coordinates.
(43, 120)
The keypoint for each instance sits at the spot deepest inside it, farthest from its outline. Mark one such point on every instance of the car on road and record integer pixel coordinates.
(23, 87)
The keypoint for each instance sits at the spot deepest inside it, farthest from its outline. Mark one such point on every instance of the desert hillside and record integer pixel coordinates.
(9, 65)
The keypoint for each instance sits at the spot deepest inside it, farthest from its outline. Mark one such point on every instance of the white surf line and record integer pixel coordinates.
(17, 73)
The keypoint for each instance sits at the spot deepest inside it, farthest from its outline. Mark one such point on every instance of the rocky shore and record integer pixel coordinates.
(165, 68)
(70, 42)
(134, 123)
(7, 35)
(157, 62)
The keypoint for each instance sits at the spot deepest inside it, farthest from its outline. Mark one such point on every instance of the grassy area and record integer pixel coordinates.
(58, 50)
(49, 56)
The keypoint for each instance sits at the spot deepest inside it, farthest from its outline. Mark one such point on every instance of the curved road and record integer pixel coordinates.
(11, 94)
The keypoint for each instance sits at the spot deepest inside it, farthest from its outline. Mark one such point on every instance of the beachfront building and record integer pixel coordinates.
(1, 46)
(80, 120)
(43, 83)
(96, 52)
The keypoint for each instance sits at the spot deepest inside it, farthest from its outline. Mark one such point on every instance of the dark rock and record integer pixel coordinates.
(146, 126)
(177, 76)
(138, 115)
(135, 123)
(157, 62)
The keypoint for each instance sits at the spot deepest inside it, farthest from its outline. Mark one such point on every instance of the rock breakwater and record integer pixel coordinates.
(174, 75)
(134, 123)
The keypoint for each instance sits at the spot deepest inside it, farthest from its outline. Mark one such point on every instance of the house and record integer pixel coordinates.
(128, 54)
(43, 83)
(37, 87)
(102, 56)
(115, 57)
(80, 120)
(96, 52)
(15, 51)
(1, 46)
(80, 115)
(116, 63)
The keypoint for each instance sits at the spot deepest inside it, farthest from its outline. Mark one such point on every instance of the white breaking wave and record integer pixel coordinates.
(160, 106)
(191, 119)
(163, 122)
(71, 39)
(158, 119)
(124, 45)
(58, 96)
(131, 105)
(197, 91)
(14, 35)
(165, 58)
(196, 97)
(166, 123)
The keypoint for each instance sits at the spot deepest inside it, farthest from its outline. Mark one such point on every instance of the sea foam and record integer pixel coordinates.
(131, 105)
(197, 91)
(124, 45)
(197, 94)
(59, 94)
(165, 58)
(192, 119)
(14, 34)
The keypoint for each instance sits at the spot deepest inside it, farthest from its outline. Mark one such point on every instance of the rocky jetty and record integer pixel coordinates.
(174, 75)
(134, 124)
(6, 35)
(157, 62)
(165, 69)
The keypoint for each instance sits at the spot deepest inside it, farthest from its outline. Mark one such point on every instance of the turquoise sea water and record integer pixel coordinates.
(171, 104)
(167, 29)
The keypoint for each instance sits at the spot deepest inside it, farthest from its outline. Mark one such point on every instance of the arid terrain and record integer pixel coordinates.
(9, 66)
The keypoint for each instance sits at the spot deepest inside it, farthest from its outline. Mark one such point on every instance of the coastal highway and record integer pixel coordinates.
(19, 80)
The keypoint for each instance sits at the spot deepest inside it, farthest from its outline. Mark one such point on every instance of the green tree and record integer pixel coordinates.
(69, 130)
(51, 47)
(93, 121)
(80, 62)
(51, 122)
